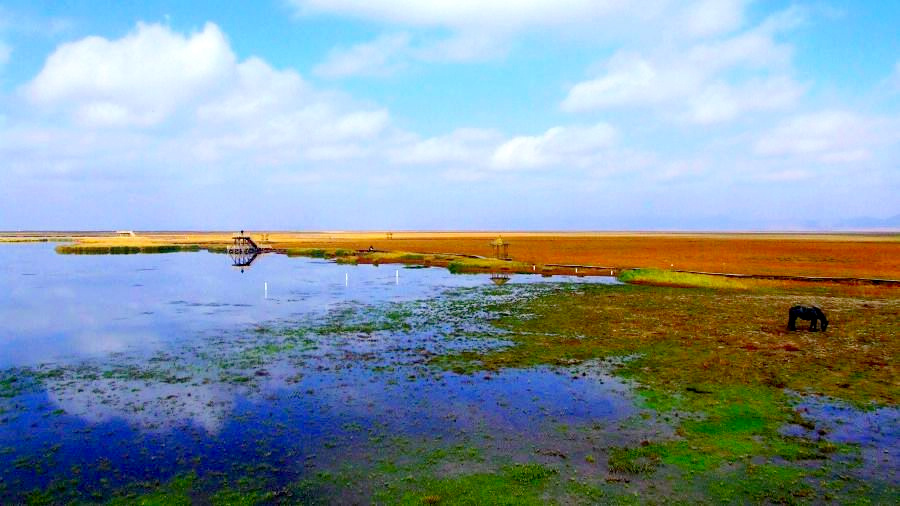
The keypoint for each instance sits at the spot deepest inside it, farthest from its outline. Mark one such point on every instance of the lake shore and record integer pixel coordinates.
(833, 255)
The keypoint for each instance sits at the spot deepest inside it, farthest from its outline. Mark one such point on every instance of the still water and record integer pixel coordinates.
(66, 307)
(138, 368)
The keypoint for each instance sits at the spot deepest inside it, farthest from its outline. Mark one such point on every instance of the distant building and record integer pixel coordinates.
(125, 233)
(501, 248)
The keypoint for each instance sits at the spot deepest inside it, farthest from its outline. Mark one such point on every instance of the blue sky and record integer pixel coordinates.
(440, 114)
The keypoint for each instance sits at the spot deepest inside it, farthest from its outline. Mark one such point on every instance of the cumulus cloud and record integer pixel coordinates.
(173, 99)
(699, 82)
(140, 79)
(579, 146)
(158, 98)
(827, 137)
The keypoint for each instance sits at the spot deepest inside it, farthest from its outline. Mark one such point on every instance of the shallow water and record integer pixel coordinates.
(66, 307)
(130, 368)
(876, 431)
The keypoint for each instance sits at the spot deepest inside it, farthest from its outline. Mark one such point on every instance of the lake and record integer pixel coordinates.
(120, 372)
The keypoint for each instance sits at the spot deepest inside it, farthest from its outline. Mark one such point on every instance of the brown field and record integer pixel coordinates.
(828, 255)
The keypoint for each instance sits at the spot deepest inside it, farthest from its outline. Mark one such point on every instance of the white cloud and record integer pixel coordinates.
(479, 30)
(496, 14)
(712, 17)
(389, 53)
(185, 99)
(204, 109)
(471, 46)
(827, 137)
(468, 146)
(719, 101)
(378, 57)
(579, 146)
(141, 79)
(705, 82)
(695, 18)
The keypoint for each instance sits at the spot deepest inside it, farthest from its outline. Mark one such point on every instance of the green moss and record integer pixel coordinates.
(769, 484)
(519, 484)
(11, 386)
(176, 492)
(633, 460)
(231, 497)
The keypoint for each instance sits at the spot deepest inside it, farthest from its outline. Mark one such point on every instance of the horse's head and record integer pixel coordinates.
(822, 320)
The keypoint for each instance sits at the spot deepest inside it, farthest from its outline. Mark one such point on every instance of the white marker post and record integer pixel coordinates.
(397, 277)
(346, 279)
(266, 289)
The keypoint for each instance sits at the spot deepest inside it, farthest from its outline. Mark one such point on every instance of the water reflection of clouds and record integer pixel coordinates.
(153, 407)
(33, 335)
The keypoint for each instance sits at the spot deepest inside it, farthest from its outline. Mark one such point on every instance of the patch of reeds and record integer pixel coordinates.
(661, 277)
(90, 249)
(307, 252)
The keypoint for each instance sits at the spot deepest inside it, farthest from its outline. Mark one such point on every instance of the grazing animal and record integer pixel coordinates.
(809, 313)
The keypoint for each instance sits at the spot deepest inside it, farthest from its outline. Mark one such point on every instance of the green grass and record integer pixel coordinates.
(519, 484)
(680, 279)
(176, 492)
(716, 365)
(308, 252)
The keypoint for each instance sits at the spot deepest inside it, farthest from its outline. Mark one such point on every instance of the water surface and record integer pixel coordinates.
(134, 368)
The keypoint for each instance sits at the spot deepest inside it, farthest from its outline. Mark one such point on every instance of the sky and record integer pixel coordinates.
(449, 115)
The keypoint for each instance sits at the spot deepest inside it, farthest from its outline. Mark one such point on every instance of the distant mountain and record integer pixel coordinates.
(869, 223)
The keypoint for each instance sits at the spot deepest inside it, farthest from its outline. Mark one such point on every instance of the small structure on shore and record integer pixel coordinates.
(243, 251)
(500, 278)
(125, 233)
(500, 248)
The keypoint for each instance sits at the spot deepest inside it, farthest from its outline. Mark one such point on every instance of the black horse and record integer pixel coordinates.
(810, 313)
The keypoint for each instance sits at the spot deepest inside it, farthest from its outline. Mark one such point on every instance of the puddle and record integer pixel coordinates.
(876, 431)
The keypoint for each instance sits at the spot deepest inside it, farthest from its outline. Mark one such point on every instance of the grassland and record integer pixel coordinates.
(825, 255)
(719, 363)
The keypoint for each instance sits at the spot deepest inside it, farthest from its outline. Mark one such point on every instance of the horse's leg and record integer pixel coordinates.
(812, 324)
(792, 321)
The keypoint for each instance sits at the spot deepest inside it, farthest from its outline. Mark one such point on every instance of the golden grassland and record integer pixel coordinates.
(826, 255)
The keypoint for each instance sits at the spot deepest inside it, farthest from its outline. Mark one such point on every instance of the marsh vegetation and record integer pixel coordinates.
(446, 389)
